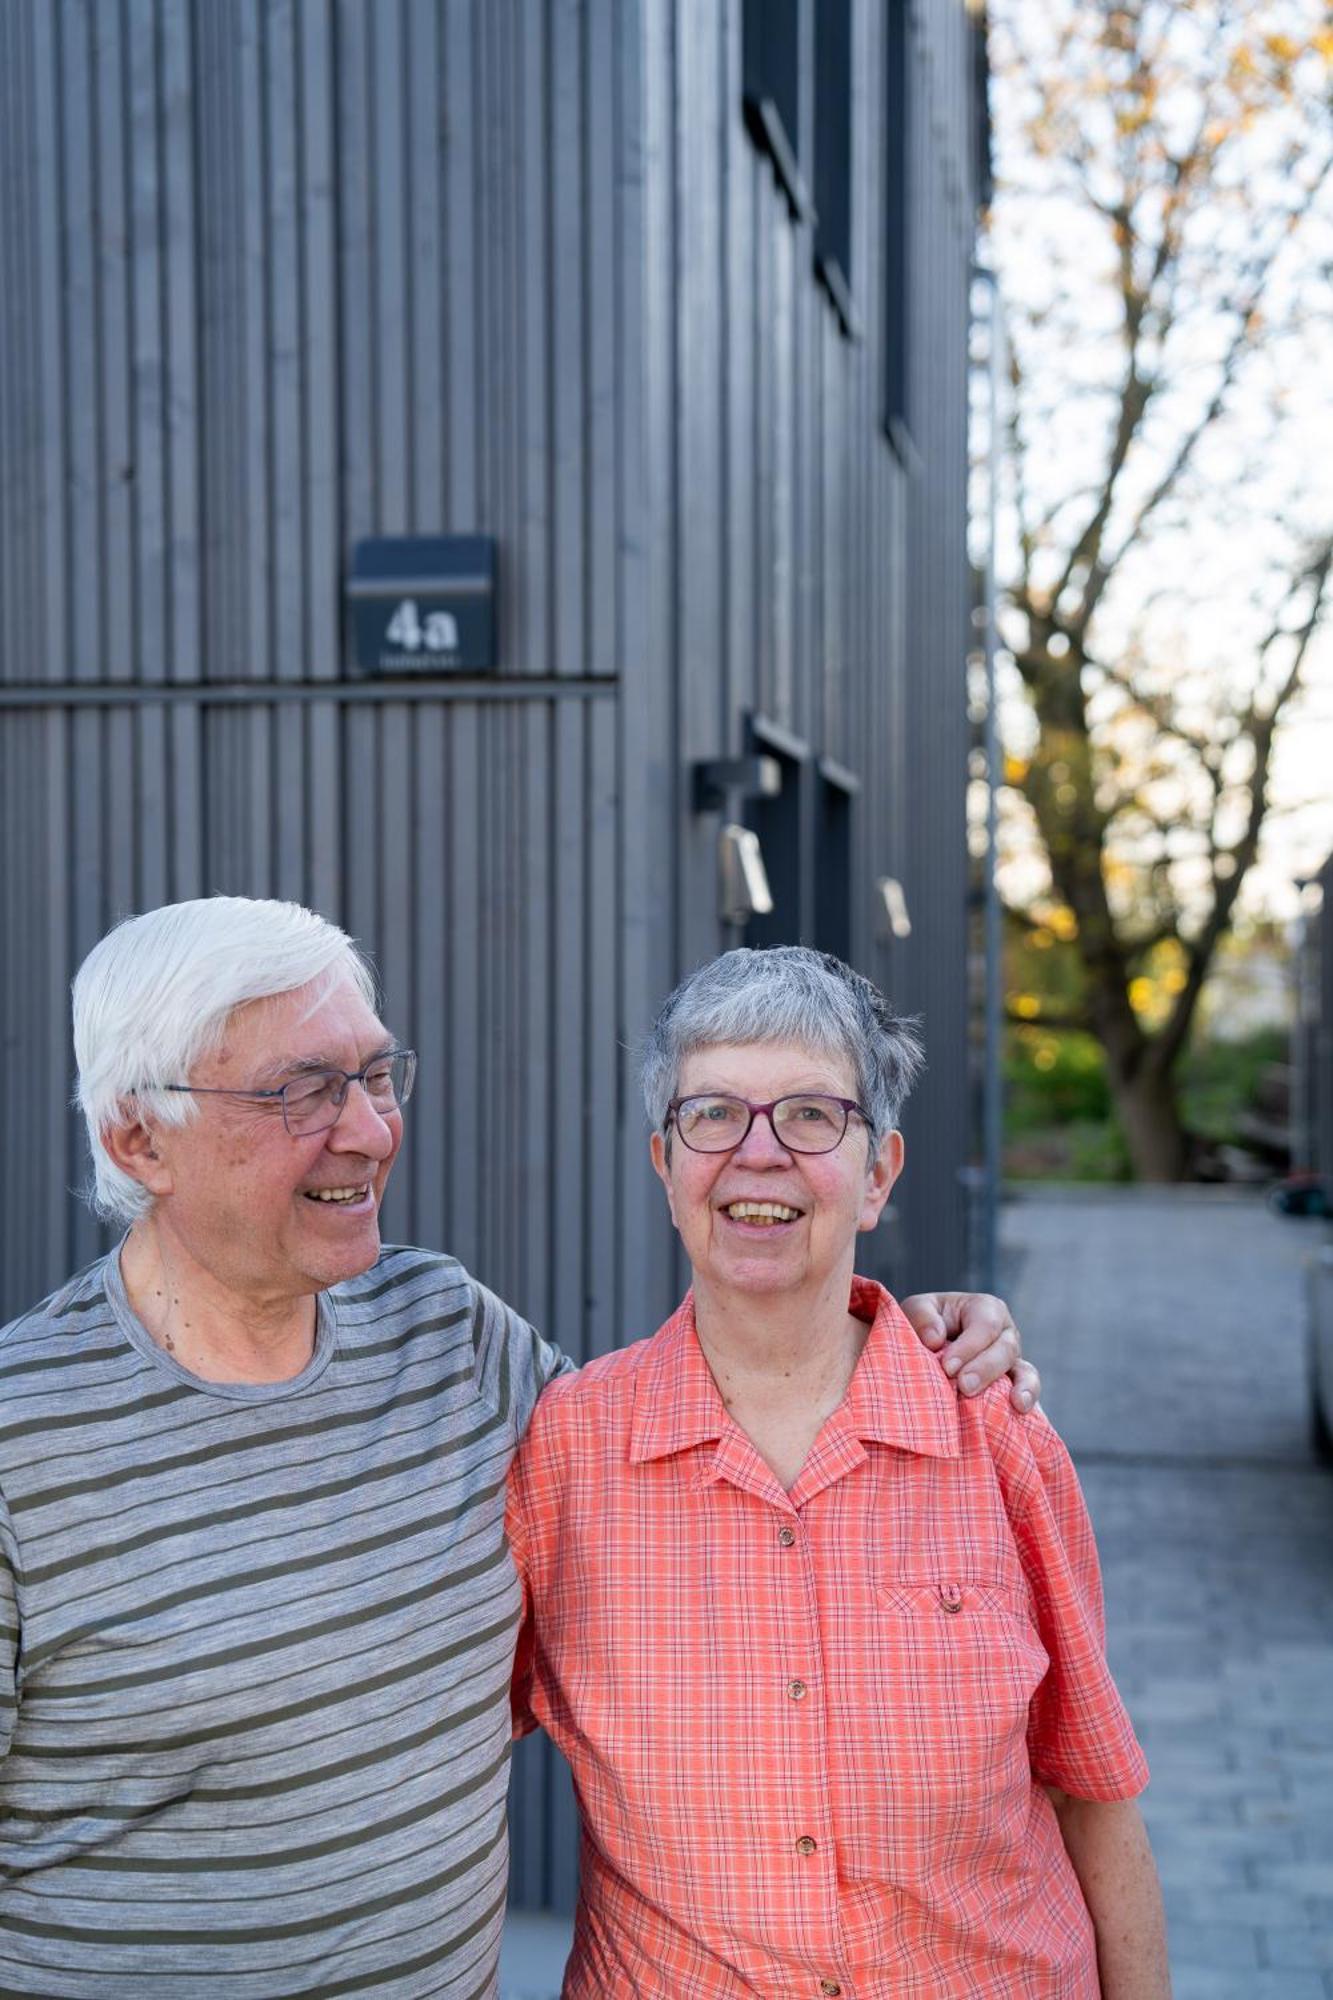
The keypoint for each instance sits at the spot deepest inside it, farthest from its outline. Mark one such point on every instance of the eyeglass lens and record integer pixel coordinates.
(801, 1124)
(311, 1103)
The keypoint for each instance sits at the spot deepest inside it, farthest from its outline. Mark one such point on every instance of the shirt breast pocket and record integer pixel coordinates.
(959, 1662)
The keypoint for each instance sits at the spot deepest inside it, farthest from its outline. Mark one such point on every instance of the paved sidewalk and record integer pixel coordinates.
(1168, 1330)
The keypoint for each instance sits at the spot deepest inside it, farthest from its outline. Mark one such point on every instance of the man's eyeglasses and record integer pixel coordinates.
(313, 1101)
(807, 1124)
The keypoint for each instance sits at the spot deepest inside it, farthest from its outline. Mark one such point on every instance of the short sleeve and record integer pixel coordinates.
(520, 1686)
(1080, 1737)
(9, 1630)
(513, 1362)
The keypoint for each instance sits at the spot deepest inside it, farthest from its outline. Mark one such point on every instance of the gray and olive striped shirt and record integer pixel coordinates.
(254, 1672)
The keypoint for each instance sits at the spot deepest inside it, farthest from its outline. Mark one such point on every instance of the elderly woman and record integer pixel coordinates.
(822, 1643)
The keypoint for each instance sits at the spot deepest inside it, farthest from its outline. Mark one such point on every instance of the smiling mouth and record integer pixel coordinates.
(338, 1197)
(766, 1212)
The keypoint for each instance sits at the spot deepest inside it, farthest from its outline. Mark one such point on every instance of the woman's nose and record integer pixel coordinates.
(761, 1142)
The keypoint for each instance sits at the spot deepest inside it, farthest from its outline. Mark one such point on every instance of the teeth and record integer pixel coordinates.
(761, 1211)
(336, 1194)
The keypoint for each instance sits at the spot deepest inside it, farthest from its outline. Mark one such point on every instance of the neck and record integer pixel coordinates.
(781, 1364)
(218, 1333)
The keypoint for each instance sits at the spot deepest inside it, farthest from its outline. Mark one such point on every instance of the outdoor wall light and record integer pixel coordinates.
(743, 889)
(894, 920)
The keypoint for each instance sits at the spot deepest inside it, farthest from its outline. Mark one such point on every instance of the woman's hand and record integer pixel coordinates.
(979, 1341)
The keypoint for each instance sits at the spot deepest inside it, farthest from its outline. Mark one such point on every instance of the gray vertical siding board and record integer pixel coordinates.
(572, 975)
(329, 827)
(290, 874)
(360, 514)
(422, 1013)
(536, 1143)
(390, 276)
(529, 649)
(23, 608)
(603, 142)
(51, 626)
(362, 880)
(700, 115)
(319, 340)
(569, 385)
(696, 499)
(180, 311)
(285, 356)
(79, 328)
(151, 442)
(466, 1025)
(252, 468)
(737, 678)
(647, 772)
(788, 274)
(425, 262)
(462, 232)
(151, 808)
(603, 1327)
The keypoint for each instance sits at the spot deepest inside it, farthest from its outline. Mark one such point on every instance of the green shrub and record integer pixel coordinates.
(1052, 1077)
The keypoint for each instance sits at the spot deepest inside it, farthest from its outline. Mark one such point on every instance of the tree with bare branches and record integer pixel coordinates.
(1163, 233)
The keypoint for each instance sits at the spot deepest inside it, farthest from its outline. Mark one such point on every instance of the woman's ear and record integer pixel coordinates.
(134, 1148)
(662, 1168)
(884, 1171)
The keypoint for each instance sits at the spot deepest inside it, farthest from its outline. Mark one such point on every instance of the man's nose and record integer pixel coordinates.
(360, 1127)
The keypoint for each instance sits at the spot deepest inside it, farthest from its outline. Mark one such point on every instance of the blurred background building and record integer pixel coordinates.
(668, 301)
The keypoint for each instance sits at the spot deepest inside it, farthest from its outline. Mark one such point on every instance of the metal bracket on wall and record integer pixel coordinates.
(720, 782)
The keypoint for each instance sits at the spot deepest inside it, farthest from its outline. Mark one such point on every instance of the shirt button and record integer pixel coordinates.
(797, 1690)
(831, 1987)
(805, 1845)
(786, 1536)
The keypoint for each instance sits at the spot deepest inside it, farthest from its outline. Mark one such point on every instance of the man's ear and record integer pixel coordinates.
(657, 1152)
(884, 1171)
(134, 1148)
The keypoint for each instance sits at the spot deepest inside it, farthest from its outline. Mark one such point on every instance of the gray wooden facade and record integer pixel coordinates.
(276, 276)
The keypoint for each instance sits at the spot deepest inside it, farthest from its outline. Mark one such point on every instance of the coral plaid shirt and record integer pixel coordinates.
(808, 1729)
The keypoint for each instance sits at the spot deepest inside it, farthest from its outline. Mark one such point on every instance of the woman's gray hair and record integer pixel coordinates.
(155, 995)
(786, 994)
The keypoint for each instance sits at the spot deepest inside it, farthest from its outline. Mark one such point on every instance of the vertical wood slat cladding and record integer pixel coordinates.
(280, 274)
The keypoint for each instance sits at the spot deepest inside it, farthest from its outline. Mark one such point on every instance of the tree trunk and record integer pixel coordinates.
(1149, 1115)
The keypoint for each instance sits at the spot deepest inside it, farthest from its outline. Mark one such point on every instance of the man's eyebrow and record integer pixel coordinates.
(288, 1066)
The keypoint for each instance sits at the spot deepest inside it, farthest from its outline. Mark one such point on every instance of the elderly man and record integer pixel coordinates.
(258, 1608)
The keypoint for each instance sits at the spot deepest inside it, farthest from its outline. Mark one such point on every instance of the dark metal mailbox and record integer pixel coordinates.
(424, 604)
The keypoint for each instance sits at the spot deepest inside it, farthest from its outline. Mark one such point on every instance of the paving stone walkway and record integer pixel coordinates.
(1168, 1328)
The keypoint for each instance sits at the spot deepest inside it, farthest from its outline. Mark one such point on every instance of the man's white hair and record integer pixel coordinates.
(155, 995)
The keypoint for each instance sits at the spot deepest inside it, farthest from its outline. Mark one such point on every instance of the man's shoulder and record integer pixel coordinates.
(404, 1278)
(80, 1304)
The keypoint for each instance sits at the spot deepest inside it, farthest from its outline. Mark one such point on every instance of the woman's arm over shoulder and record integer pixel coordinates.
(1108, 1845)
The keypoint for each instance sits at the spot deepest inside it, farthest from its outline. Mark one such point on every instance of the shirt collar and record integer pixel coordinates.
(899, 1394)
(676, 1403)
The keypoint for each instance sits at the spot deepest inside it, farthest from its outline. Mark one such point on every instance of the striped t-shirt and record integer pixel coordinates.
(256, 1647)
